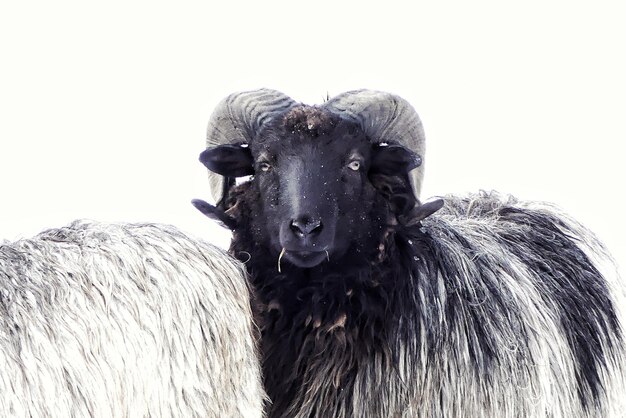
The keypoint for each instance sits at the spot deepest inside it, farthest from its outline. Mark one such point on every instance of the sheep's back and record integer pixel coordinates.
(124, 320)
(525, 313)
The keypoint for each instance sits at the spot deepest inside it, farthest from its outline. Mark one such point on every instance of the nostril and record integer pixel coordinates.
(314, 227)
(297, 228)
(306, 226)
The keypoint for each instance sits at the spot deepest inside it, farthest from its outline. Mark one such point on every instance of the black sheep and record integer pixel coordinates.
(371, 307)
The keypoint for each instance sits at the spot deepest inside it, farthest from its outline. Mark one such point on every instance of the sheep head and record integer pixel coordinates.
(324, 186)
(383, 117)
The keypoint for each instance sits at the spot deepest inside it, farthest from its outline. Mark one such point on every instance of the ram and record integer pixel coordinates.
(124, 320)
(372, 304)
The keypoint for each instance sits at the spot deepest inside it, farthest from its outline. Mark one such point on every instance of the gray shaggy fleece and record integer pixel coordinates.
(124, 320)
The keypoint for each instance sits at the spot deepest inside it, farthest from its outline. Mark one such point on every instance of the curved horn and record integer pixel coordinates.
(384, 117)
(237, 118)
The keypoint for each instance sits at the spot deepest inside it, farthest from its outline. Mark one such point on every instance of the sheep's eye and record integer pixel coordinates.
(354, 165)
(264, 166)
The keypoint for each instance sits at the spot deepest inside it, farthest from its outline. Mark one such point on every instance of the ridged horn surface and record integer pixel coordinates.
(237, 118)
(384, 117)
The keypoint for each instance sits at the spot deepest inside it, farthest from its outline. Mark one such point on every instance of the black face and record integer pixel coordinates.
(313, 172)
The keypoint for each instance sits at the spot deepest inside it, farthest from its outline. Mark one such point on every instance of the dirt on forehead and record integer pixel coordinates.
(309, 120)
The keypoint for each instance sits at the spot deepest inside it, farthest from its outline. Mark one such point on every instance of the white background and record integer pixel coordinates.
(103, 106)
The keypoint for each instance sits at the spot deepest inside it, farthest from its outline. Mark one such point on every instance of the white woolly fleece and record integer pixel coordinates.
(124, 321)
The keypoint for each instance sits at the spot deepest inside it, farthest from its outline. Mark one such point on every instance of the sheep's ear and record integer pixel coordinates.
(215, 213)
(228, 160)
(393, 160)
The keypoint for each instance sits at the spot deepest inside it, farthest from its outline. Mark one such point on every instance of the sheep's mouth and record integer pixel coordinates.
(305, 259)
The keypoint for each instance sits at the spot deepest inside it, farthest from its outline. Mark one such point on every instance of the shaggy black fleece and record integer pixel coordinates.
(430, 317)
